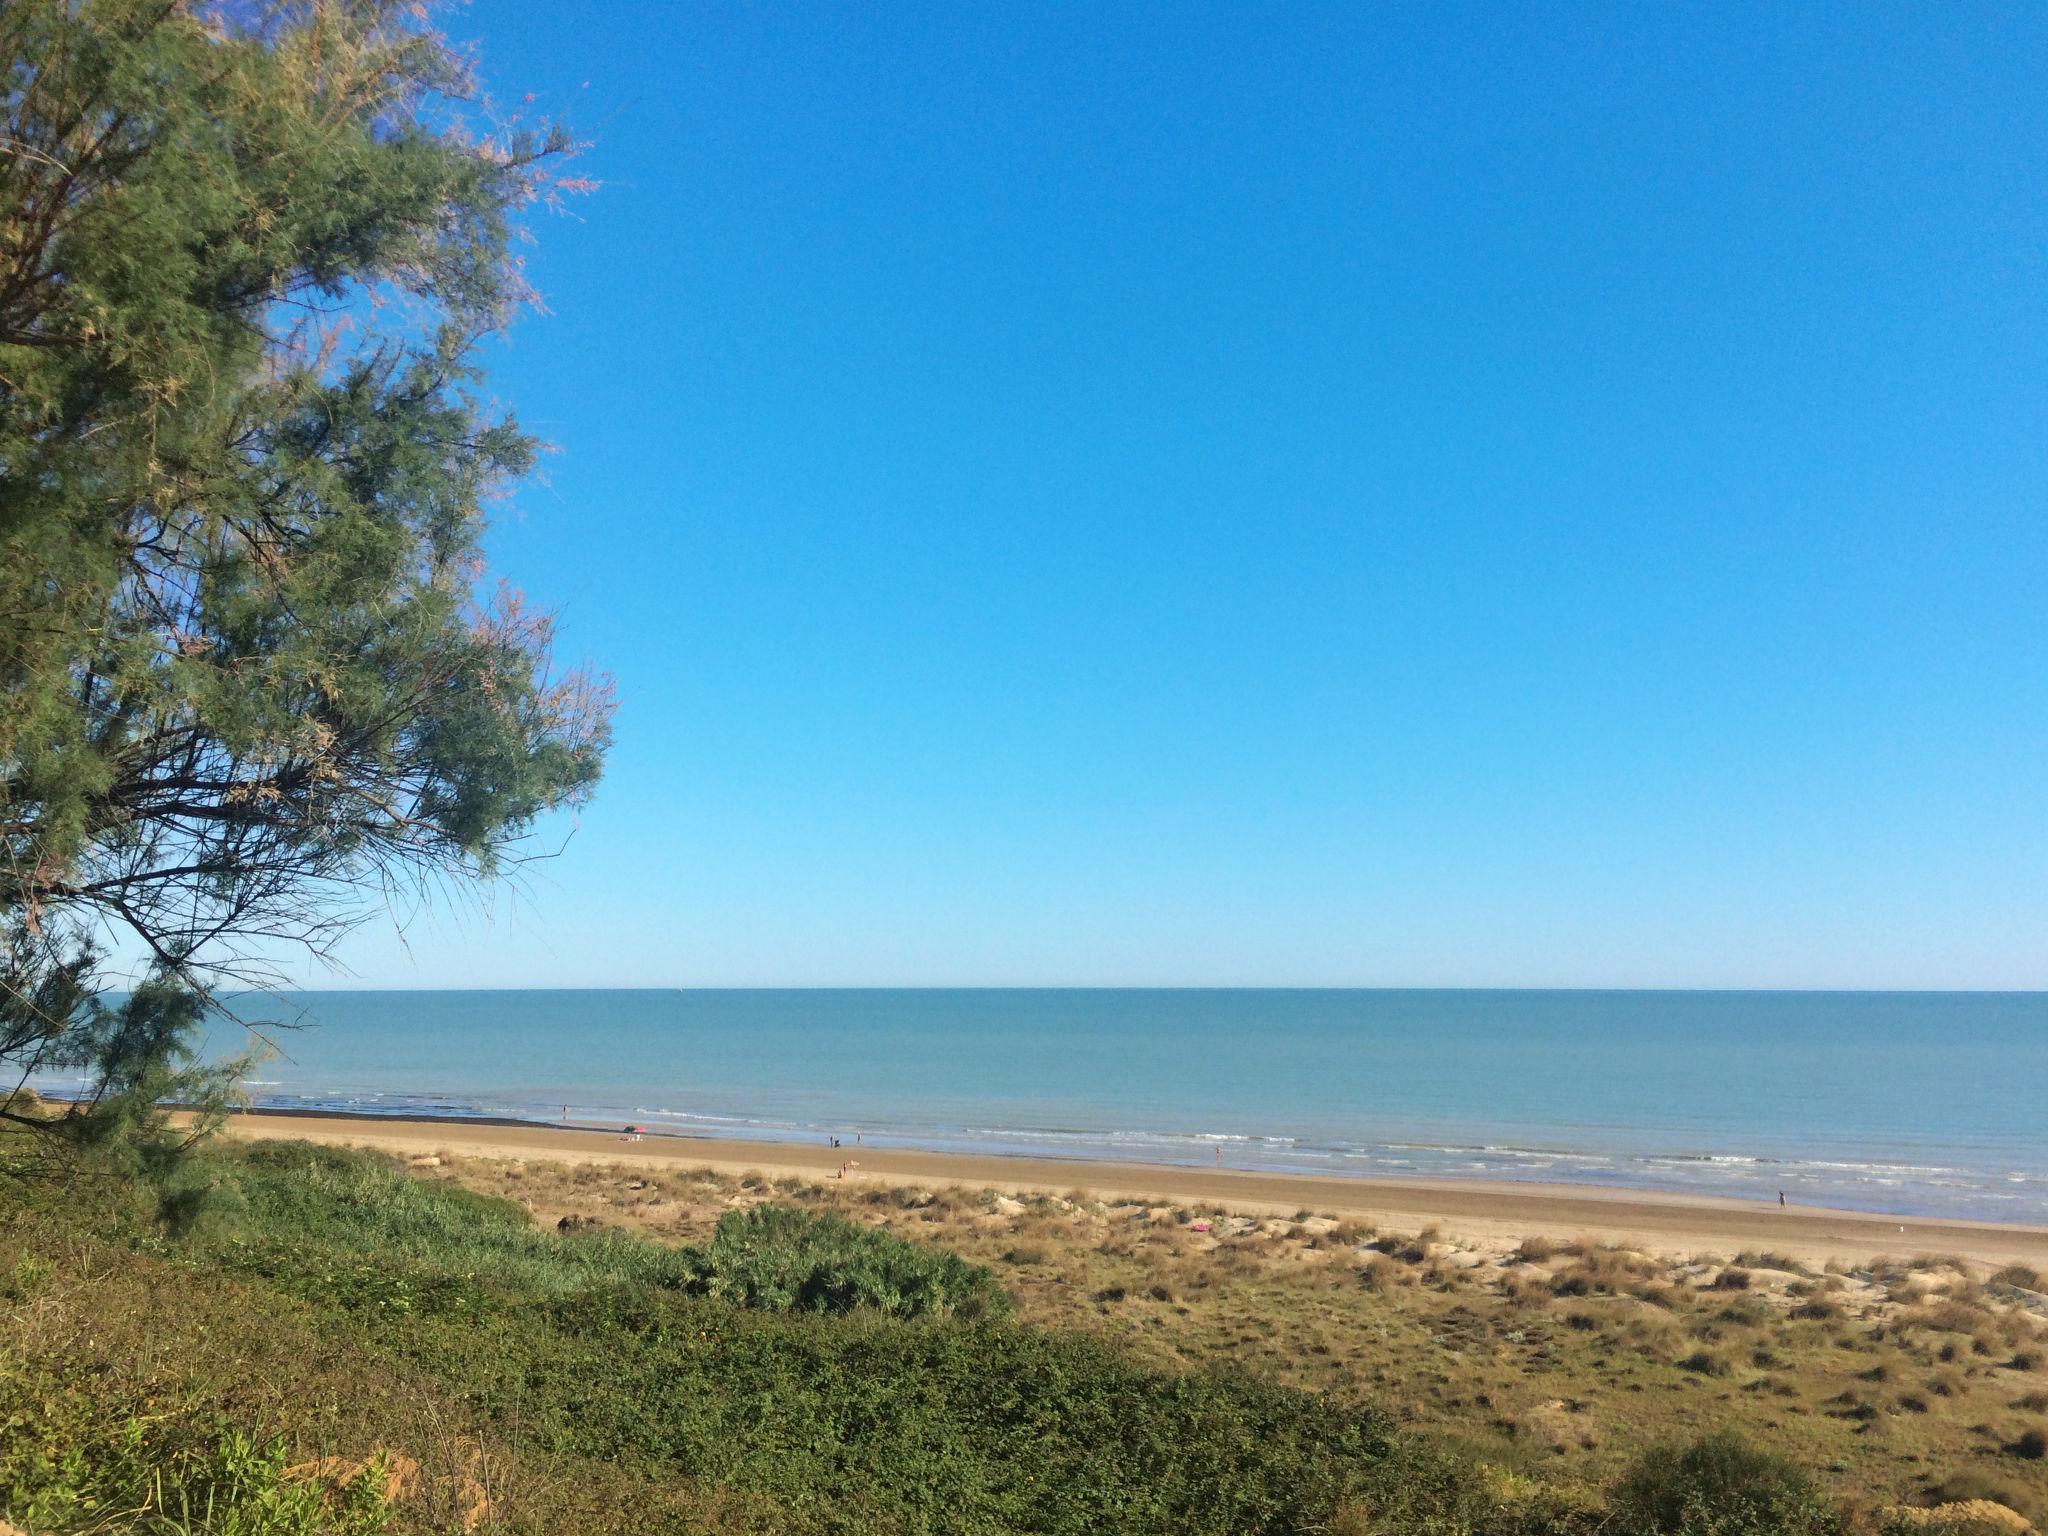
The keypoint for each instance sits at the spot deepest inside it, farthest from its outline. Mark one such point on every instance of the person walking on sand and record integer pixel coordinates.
(1781, 1199)
(1219, 1156)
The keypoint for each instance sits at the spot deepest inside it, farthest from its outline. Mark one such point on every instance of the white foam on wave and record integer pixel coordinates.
(1872, 1183)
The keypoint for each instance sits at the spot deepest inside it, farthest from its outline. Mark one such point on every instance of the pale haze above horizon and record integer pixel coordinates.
(1323, 495)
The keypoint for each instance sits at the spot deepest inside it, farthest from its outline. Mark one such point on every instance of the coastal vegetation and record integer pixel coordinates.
(335, 1341)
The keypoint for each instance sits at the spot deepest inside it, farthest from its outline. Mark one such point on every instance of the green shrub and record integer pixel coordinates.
(782, 1258)
(1720, 1486)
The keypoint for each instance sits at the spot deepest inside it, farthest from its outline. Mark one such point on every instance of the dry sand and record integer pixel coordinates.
(1474, 1211)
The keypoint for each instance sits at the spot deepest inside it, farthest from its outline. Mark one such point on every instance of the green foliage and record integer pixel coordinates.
(358, 1231)
(632, 1387)
(136, 1052)
(859, 1423)
(247, 683)
(778, 1257)
(1721, 1486)
(71, 1461)
(782, 1363)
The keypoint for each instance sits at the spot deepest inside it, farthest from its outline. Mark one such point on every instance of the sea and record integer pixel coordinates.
(1927, 1103)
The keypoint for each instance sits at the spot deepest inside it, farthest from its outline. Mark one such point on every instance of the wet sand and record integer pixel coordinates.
(1474, 1210)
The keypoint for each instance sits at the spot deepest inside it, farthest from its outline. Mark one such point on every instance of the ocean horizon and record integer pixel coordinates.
(1920, 1103)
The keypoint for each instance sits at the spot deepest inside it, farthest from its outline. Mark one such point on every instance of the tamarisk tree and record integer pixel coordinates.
(249, 691)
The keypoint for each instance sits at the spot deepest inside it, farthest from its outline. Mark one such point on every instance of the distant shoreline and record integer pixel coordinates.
(1478, 1209)
(1879, 1102)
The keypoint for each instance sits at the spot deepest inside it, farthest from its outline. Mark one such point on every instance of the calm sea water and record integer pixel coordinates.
(1933, 1103)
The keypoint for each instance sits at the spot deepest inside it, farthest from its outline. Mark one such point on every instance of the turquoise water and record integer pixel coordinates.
(1929, 1103)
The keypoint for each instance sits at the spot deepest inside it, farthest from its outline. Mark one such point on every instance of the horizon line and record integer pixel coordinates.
(1061, 986)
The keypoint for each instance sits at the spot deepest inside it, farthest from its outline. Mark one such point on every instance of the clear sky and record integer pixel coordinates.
(1289, 495)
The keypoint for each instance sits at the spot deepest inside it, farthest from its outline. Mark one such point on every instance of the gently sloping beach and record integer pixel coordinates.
(1480, 1211)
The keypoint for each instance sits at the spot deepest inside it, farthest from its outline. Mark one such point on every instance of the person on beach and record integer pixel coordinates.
(1781, 1198)
(1219, 1155)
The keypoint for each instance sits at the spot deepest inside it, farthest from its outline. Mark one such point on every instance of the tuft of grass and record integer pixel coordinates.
(76, 1460)
(1603, 1272)
(1764, 1258)
(1380, 1272)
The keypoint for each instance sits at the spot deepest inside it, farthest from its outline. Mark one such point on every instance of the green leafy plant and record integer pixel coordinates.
(781, 1258)
(1721, 1486)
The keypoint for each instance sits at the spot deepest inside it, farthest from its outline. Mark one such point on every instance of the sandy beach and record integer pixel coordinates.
(1480, 1211)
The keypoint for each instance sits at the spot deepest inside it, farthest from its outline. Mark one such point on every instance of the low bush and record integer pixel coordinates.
(1720, 1486)
(783, 1258)
(1965, 1484)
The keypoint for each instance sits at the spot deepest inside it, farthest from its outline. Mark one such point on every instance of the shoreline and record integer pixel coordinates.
(1483, 1210)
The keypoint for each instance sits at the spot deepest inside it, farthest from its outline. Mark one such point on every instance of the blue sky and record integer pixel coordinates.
(1288, 495)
